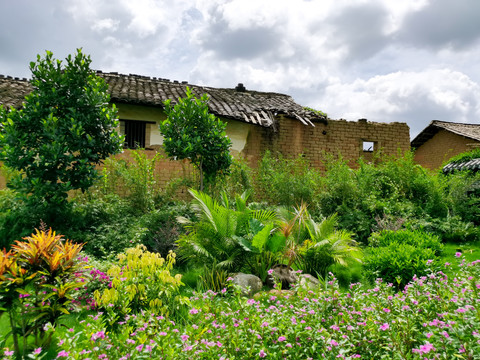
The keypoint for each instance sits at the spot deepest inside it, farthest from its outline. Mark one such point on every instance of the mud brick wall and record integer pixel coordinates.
(441, 147)
(337, 137)
(291, 138)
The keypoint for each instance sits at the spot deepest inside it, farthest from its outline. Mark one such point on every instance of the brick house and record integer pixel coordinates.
(441, 140)
(256, 122)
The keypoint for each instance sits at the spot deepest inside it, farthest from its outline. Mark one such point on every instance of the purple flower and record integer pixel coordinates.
(262, 354)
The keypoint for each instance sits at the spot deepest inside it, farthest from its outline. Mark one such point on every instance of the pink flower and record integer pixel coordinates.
(8, 353)
(426, 348)
(37, 351)
(139, 347)
(184, 337)
(63, 353)
(262, 354)
(282, 338)
(385, 326)
(458, 254)
(193, 311)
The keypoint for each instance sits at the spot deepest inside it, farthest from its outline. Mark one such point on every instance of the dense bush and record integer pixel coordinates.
(398, 256)
(287, 182)
(394, 188)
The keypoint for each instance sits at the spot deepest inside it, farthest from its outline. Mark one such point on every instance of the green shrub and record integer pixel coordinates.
(466, 156)
(392, 188)
(163, 229)
(134, 180)
(415, 238)
(396, 256)
(449, 229)
(287, 182)
(239, 180)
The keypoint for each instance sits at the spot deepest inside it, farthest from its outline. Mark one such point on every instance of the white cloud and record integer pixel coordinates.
(381, 59)
(105, 24)
(413, 97)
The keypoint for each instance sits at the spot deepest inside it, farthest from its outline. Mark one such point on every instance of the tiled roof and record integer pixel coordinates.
(471, 131)
(254, 107)
(473, 165)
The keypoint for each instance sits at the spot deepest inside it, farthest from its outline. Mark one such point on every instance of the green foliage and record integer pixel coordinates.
(287, 182)
(142, 280)
(449, 229)
(64, 129)
(317, 112)
(466, 156)
(133, 180)
(224, 239)
(327, 246)
(190, 132)
(463, 195)
(416, 238)
(238, 181)
(395, 188)
(398, 256)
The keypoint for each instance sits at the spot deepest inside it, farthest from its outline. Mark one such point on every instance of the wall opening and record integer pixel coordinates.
(368, 146)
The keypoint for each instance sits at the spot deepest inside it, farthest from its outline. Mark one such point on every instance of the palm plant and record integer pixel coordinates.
(327, 246)
(217, 239)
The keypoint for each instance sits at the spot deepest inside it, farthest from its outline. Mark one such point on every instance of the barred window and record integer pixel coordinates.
(135, 133)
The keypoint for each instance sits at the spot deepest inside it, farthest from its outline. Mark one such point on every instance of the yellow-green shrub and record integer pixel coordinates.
(141, 280)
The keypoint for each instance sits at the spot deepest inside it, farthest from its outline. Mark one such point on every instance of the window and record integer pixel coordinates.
(135, 133)
(368, 146)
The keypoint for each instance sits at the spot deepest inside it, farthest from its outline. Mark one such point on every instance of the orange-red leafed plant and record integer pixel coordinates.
(37, 278)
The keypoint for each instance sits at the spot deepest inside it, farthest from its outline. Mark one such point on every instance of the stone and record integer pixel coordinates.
(284, 274)
(248, 283)
(308, 281)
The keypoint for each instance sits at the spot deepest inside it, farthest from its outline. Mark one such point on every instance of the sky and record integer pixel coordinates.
(410, 61)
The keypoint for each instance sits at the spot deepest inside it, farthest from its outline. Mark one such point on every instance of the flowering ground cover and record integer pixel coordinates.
(434, 317)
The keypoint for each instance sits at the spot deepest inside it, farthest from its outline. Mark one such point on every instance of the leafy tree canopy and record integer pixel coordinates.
(64, 129)
(191, 132)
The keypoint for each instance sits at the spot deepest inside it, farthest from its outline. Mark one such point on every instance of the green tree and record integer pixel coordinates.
(63, 130)
(191, 132)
